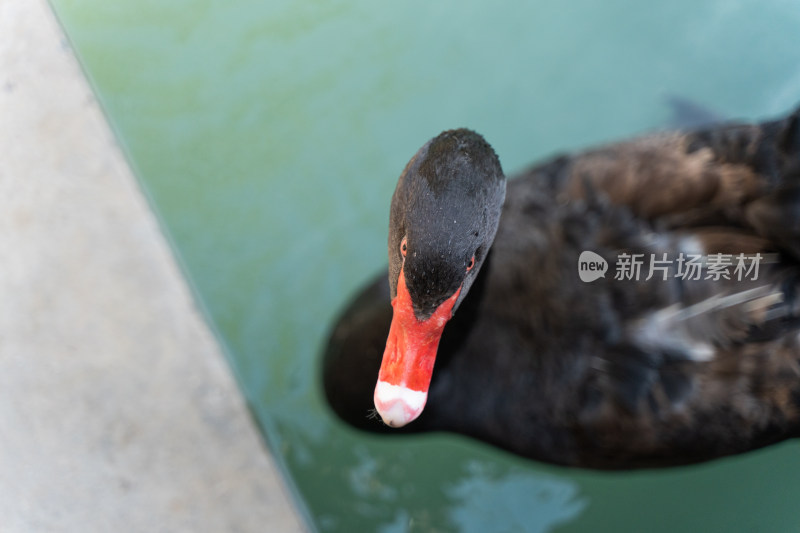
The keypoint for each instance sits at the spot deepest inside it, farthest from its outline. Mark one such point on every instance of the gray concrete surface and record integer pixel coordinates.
(117, 409)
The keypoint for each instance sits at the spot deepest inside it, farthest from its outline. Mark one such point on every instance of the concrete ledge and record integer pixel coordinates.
(117, 409)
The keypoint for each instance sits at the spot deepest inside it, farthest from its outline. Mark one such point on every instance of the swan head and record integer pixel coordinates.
(444, 216)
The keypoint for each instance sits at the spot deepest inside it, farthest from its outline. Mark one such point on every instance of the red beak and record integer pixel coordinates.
(407, 365)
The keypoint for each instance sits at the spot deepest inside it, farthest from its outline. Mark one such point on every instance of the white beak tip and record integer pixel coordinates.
(398, 405)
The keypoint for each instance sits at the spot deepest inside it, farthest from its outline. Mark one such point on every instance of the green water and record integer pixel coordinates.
(269, 136)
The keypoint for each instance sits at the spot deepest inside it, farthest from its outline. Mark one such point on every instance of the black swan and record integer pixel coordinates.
(630, 306)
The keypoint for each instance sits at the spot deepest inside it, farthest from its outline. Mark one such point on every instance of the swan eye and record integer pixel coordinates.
(403, 247)
(471, 263)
